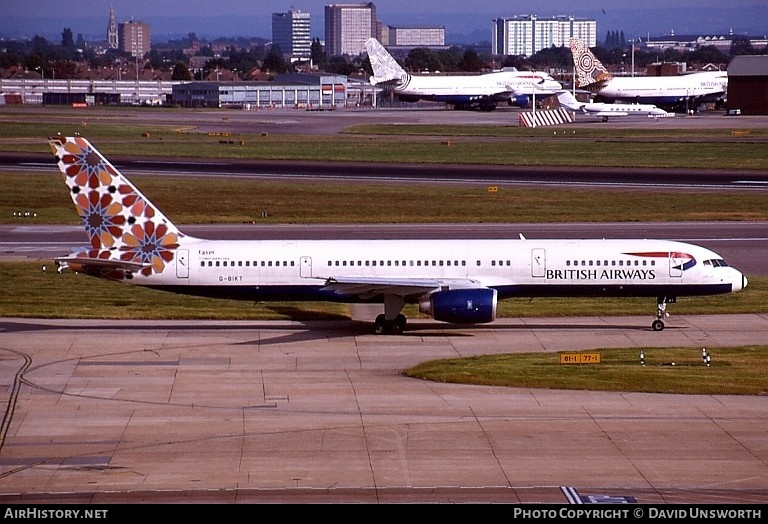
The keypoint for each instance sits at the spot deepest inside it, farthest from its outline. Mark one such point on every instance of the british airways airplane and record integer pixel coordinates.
(461, 91)
(456, 281)
(683, 91)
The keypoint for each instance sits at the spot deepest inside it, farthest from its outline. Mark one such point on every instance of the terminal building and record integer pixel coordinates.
(299, 90)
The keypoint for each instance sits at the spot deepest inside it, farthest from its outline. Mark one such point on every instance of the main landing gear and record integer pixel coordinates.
(383, 326)
(661, 312)
(391, 322)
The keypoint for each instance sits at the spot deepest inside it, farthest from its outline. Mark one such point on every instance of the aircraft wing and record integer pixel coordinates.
(406, 287)
(608, 113)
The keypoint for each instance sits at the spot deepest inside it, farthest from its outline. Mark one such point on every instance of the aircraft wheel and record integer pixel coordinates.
(657, 325)
(380, 325)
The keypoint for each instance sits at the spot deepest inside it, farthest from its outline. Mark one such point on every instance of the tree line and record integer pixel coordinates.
(59, 60)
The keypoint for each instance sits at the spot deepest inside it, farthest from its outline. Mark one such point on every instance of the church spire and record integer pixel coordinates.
(112, 40)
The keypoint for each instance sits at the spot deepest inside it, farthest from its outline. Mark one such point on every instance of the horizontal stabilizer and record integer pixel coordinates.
(76, 262)
(379, 81)
(568, 101)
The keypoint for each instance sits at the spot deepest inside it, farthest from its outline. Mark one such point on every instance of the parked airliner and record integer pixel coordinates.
(484, 91)
(456, 281)
(604, 111)
(675, 92)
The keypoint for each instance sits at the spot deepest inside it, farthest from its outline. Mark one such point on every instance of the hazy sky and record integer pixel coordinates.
(143, 8)
(253, 17)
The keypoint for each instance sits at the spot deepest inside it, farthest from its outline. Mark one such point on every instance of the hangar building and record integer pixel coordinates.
(748, 84)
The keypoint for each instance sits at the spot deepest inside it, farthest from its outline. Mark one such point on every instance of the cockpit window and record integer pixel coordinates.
(716, 262)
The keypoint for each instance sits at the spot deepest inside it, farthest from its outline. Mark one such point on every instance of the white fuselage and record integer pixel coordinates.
(459, 89)
(665, 89)
(612, 110)
(301, 269)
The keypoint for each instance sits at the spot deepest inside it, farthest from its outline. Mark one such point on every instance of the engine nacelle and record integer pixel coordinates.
(461, 306)
(520, 100)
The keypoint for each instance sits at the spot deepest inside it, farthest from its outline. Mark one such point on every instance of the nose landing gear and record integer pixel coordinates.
(661, 312)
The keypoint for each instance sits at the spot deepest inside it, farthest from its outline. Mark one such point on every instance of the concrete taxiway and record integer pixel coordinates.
(159, 411)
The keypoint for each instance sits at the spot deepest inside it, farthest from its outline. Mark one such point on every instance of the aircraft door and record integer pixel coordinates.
(182, 263)
(305, 267)
(538, 262)
(676, 262)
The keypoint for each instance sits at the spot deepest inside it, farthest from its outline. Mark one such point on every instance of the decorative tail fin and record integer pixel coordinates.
(127, 233)
(589, 70)
(385, 68)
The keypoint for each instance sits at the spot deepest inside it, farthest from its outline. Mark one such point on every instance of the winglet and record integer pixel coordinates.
(126, 231)
(589, 70)
(385, 68)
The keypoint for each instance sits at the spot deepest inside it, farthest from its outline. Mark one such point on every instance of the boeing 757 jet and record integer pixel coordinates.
(458, 281)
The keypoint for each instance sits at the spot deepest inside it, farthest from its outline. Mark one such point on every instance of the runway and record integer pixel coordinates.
(238, 412)
(742, 244)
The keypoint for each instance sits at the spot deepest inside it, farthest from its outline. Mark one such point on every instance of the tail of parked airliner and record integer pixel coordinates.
(385, 68)
(589, 70)
(128, 235)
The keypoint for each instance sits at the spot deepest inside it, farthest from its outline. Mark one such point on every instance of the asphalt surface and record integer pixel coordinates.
(237, 412)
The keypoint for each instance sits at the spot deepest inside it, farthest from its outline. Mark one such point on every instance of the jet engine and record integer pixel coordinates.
(520, 100)
(461, 306)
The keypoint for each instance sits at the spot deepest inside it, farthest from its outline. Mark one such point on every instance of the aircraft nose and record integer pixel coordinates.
(740, 282)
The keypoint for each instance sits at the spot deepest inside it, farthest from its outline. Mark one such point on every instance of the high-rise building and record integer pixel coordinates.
(348, 26)
(414, 36)
(526, 35)
(112, 38)
(133, 38)
(291, 32)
